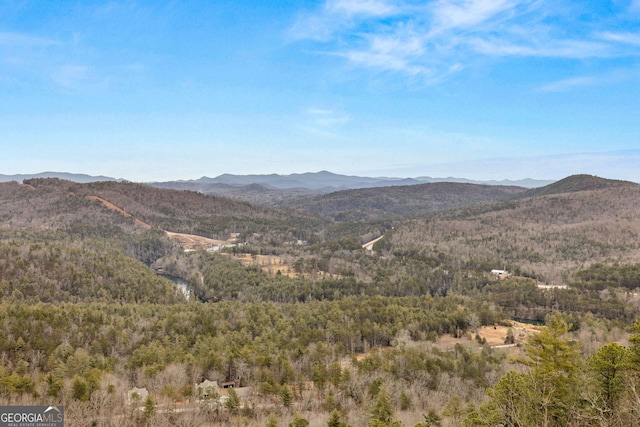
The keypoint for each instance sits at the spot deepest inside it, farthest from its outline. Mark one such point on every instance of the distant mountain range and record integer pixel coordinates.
(74, 177)
(328, 181)
(322, 181)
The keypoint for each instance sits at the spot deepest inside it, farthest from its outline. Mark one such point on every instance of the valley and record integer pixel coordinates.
(320, 307)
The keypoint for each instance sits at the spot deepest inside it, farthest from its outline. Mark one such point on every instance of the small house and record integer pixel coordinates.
(137, 395)
(207, 389)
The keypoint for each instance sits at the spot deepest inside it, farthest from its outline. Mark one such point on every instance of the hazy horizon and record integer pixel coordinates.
(81, 177)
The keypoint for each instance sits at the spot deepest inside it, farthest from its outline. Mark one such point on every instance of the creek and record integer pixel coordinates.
(180, 284)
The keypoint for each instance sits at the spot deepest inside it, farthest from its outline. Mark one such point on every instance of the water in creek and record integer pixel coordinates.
(181, 284)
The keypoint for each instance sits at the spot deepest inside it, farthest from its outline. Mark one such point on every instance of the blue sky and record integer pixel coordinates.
(163, 90)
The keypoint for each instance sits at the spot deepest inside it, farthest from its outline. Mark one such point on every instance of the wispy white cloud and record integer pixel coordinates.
(21, 40)
(469, 13)
(441, 37)
(570, 49)
(610, 77)
(570, 83)
(339, 17)
(361, 7)
(36, 58)
(326, 118)
(73, 76)
(626, 38)
(323, 121)
(69, 63)
(397, 52)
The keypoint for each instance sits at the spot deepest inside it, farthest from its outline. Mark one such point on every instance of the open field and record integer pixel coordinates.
(494, 335)
(268, 263)
(193, 242)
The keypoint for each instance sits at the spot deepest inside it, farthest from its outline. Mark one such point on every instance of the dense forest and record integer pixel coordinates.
(310, 328)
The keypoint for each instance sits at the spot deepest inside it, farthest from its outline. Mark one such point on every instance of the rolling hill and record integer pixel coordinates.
(397, 201)
(568, 225)
(55, 204)
(83, 317)
(547, 234)
(576, 183)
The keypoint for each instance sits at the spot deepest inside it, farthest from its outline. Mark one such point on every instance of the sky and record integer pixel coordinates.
(168, 90)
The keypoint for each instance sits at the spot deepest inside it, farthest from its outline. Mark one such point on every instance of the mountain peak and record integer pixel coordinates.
(576, 183)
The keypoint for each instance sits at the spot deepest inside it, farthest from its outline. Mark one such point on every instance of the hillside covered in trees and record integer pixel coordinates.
(376, 203)
(328, 333)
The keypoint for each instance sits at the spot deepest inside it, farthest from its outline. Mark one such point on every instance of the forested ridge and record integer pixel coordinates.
(376, 203)
(55, 204)
(401, 335)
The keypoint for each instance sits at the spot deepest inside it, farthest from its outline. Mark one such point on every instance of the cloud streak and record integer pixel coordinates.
(323, 121)
(20, 40)
(624, 38)
(469, 13)
(361, 7)
(610, 164)
(442, 37)
(570, 83)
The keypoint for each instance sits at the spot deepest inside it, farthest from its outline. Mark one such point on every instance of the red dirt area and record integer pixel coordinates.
(110, 205)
